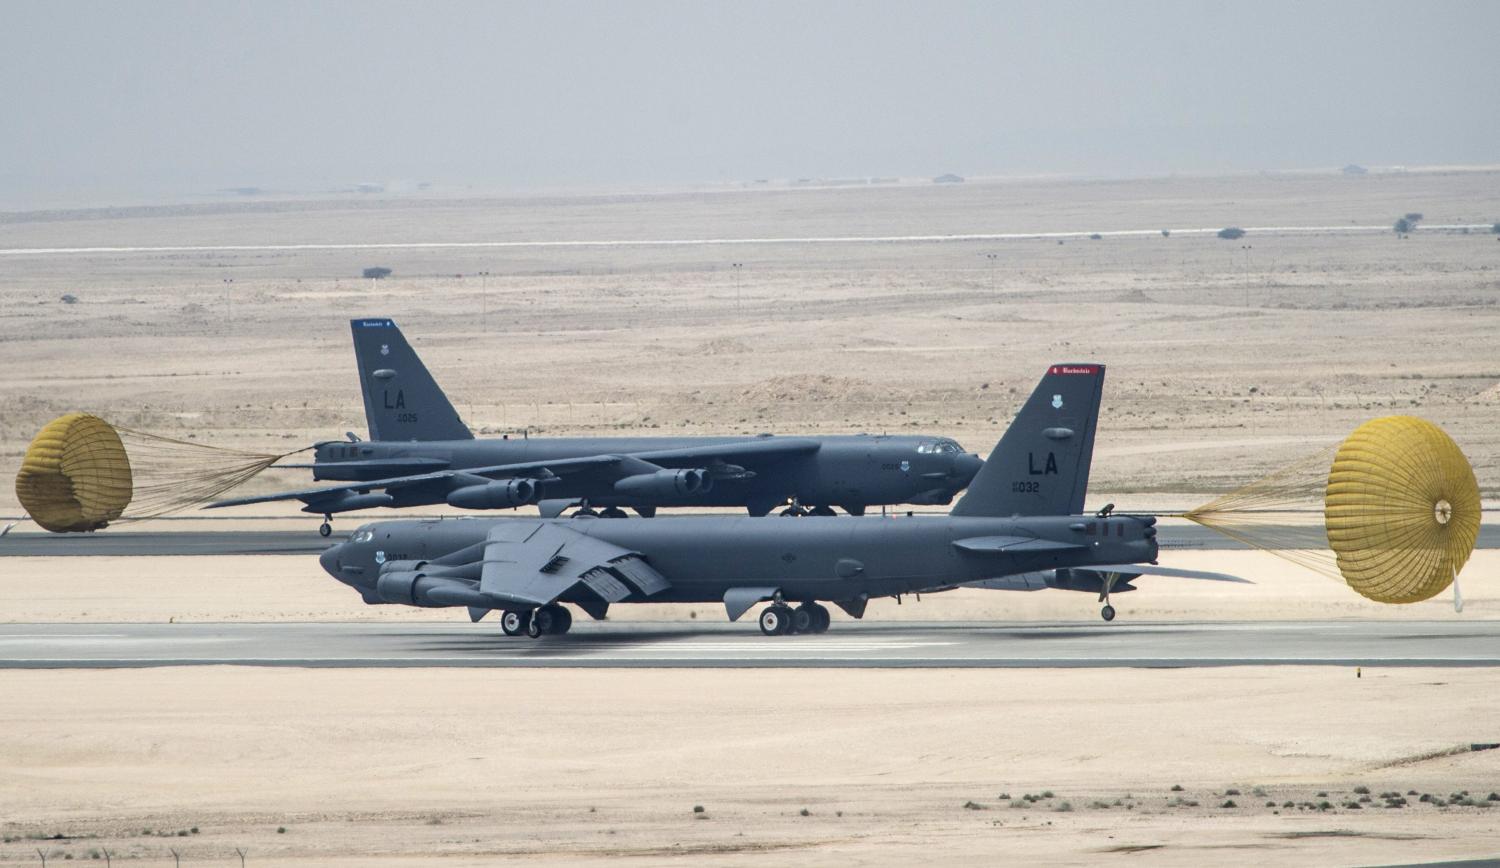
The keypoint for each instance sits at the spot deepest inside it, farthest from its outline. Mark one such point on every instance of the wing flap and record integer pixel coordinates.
(534, 563)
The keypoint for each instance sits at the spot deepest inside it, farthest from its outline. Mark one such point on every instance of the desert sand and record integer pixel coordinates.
(579, 767)
(1227, 359)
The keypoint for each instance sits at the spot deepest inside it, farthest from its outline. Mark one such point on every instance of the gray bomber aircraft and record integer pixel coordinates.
(420, 452)
(1018, 527)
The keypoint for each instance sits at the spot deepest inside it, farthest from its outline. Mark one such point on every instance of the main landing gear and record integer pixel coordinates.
(326, 527)
(553, 620)
(779, 619)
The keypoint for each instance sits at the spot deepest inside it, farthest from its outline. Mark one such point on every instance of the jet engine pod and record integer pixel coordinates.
(664, 484)
(503, 494)
(414, 588)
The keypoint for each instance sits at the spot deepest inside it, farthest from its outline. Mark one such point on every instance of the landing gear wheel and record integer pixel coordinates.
(533, 629)
(613, 512)
(515, 621)
(820, 618)
(1107, 613)
(585, 512)
(824, 511)
(794, 511)
(774, 620)
(562, 620)
(326, 527)
(802, 620)
(545, 620)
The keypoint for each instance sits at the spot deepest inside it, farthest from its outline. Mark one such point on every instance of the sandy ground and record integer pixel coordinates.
(293, 587)
(579, 767)
(1227, 359)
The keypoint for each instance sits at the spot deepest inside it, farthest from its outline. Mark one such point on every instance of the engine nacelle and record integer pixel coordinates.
(665, 484)
(415, 588)
(501, 494)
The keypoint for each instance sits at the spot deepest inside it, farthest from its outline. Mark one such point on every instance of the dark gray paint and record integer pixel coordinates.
(421, 452)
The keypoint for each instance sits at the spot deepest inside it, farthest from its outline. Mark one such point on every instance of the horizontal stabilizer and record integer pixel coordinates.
(983, 545)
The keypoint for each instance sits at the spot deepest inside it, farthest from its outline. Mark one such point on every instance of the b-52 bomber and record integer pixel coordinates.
(420, 452)
(1018, 527)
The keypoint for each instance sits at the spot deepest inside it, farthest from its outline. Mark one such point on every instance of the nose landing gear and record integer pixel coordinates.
(326, 527)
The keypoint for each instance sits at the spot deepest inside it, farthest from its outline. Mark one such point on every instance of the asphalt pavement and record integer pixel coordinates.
(690, 644)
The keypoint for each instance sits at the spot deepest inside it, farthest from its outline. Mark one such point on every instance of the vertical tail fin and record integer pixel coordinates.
(1041, 465)
(402, 401)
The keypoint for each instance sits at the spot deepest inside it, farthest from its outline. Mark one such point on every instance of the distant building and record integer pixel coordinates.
(1355, 169)
(949, 178)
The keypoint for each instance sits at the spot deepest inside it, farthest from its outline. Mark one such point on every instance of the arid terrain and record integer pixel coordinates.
(1227, 359)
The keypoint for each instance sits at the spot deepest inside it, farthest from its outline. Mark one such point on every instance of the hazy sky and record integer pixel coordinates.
(118, 102)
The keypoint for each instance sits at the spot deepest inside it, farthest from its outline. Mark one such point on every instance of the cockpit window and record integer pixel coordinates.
(938, 447)
(362, 535)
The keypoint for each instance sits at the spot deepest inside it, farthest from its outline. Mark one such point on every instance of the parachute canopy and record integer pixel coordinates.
(1402, 509)
(75, 475)
(81, 473)
(1399, 503)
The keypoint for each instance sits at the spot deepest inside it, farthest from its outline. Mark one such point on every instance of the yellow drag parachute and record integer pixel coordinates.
(1402, 509)
(75, 475)
(81, 473)
(1399, 503)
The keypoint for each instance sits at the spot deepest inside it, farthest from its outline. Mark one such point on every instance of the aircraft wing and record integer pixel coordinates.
(990, 545)
(759, 448)
(562, 466)
(534, 563)
(1177, 572)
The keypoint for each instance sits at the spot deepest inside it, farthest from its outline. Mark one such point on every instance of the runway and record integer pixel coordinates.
(290, 542)
(695, 645)
(727, 242)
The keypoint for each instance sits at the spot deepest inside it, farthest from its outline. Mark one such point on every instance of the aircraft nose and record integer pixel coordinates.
(966, 467)
(330, 559)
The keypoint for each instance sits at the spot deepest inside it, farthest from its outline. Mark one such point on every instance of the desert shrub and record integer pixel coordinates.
(1230, 233)
(376, 273)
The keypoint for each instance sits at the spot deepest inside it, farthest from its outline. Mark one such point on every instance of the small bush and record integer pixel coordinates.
(1096, 237)
(69, 298)
(805, 812)
(376, 273)
(1231, 792)
(1046, 794)
(968, 806)
(1004, 797)
(1270, 804)
(1177, 788)
(1064, 807)
(1231, 233)
(1167, 233)
(697, 809)
(1229, 803)
(1495, 229)
(281, 830)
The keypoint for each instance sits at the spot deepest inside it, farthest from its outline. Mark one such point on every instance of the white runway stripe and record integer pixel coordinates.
(706, 242)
